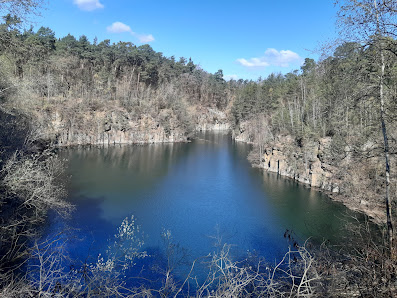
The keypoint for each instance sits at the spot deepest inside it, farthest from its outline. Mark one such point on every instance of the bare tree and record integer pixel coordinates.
(29, 187)
(34, 181)
(21, 8)
(373, 23)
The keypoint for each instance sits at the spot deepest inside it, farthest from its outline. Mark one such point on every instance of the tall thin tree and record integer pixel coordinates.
(373, 23)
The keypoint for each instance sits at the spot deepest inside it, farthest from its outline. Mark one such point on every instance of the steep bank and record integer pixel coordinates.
(77, 123)
(114, 127)
(210, 119)
(339, 172)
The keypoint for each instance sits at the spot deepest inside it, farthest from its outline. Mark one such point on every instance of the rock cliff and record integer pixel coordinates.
(209, 119)
(341, 175)
(76, 126)
(113, 128)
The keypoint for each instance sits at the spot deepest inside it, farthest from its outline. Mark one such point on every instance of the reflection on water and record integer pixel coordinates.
(117, 167)
(196, 190)
(305, 211)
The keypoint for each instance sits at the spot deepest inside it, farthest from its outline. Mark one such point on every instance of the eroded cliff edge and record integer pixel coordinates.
(341, 171)
(79, 124)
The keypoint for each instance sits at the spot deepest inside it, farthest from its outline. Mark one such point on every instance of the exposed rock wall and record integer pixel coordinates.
(303, 166)
(315, 163)
(208, 119)
(242, 133)
(114, 129)
(116, 126)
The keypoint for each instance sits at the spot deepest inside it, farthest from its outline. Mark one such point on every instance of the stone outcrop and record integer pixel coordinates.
(303, 166)
(117, 126)
(209, 119)
(315, 163)
(242, 133)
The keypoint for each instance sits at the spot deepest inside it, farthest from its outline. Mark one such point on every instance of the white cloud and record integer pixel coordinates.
(88, 5)
(230, 77)
(272, 57)
(119, 27)
(145, 38)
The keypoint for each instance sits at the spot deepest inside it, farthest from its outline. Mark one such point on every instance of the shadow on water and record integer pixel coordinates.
(305, 213)
(86, 233)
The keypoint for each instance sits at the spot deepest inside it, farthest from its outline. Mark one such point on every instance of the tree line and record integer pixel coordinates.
(71, 67)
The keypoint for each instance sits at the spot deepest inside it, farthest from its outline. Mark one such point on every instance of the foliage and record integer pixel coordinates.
(29, 188)
(20, 8)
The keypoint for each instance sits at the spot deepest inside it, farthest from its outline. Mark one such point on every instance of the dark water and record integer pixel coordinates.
(196, 190)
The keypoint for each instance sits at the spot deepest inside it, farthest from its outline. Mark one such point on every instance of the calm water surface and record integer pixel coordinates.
(196, 190)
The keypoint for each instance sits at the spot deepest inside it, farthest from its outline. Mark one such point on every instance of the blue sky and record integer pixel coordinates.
(246, 39)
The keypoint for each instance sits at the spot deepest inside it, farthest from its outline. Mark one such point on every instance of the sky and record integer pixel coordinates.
(246, 39)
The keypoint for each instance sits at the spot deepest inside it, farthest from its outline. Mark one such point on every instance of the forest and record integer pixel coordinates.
(331, 124)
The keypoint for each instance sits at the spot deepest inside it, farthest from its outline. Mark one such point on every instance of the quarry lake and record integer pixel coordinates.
(198, 191)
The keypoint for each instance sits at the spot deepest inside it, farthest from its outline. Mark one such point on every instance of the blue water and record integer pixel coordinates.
(197, 191)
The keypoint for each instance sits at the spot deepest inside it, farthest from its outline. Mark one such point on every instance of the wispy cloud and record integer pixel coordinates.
(119, 27)
(272, 57)
(145, 38)
(231, 77)
(88, 5)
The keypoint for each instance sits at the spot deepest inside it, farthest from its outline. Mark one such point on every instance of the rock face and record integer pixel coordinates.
(323, 165)
(209, 119)
(113, 128)
(305, 167)
(119, 127)
(243, 134)
(144, 130)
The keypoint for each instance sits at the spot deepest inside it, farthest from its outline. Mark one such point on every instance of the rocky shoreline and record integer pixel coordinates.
(312, 165)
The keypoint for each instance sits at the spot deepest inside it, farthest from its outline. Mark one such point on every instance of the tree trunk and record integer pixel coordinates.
(386, 143)
(387, 161)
